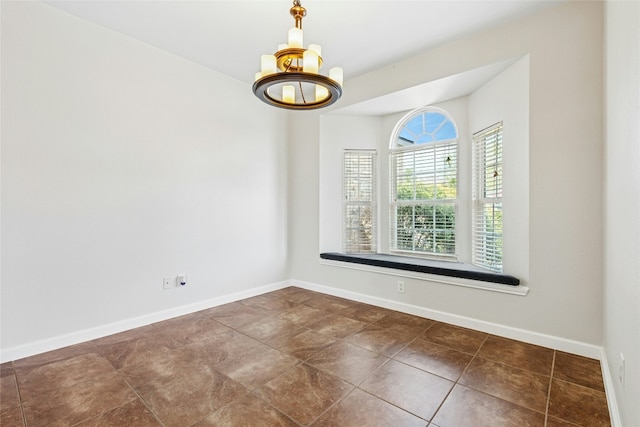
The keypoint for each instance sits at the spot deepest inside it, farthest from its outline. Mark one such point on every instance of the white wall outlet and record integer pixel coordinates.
(400, 287)
(181, 280)
(167, 283)
(621, 369)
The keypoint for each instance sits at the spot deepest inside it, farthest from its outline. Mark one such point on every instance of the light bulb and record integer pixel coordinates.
(336, 74)
(288, 94)
(321, 93)
(295, 37)
(268, 64)
(310, 61)
(316, 48)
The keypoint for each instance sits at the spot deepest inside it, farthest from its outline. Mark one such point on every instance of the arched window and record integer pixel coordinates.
(423, 154)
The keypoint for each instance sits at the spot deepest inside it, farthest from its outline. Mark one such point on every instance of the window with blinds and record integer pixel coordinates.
(487, 198)
(359, 201)
(423, 185)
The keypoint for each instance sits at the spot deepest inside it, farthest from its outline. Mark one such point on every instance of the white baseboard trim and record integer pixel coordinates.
(557, 343)
(37, 347)
(614, 414)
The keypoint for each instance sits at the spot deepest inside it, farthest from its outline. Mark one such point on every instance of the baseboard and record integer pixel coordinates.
(557, 343)
(614, 414)
(37, 347)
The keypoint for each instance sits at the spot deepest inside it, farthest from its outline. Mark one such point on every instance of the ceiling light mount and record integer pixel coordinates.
(290, 78)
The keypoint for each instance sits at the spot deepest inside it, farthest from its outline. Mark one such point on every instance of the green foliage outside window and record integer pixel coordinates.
(493, 235)
(428, 228)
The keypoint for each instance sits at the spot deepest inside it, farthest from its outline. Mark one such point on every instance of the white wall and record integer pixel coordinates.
(121, 165)
(622, 203)
(565, 235)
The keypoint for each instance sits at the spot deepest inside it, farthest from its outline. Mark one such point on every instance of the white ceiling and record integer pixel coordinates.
(359, 36)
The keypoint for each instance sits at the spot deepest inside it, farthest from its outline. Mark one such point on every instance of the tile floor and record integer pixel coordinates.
(299, 358)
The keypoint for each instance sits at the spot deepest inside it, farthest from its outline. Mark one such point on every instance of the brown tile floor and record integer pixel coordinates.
(296, 358)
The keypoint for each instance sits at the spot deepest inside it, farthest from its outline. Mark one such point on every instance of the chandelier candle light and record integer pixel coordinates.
(290, 78)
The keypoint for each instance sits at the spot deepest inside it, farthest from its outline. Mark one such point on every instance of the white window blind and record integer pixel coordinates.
(423, 199)
(487, 198)
(359, 201)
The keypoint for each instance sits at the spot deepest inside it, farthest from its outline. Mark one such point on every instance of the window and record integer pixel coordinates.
(423, 184)
(442, 208)
(359, 201)
(487, 198)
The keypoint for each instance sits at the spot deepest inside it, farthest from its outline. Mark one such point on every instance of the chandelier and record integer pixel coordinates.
(290, 78)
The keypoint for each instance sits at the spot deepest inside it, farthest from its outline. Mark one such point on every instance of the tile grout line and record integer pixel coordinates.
(251, 392)
(389, 359)
(300, 362)
(392, 357)
(391, 403)
(357, 386)
(343, 339)
(143, 401)
(492, 360)
(398, 361)
(15, 374)
(455, 383)
(546, 409)
(332, 405)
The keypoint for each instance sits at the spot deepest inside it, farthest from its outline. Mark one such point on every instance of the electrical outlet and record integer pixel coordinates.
(181, 280)
(400, 287)
(621, 368)
(166, 284)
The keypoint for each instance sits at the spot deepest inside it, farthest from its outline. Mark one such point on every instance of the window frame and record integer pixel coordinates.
(348, 244)
(487, 247)
(431, 148)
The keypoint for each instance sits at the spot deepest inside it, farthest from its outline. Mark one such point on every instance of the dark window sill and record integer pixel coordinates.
(420, 265)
